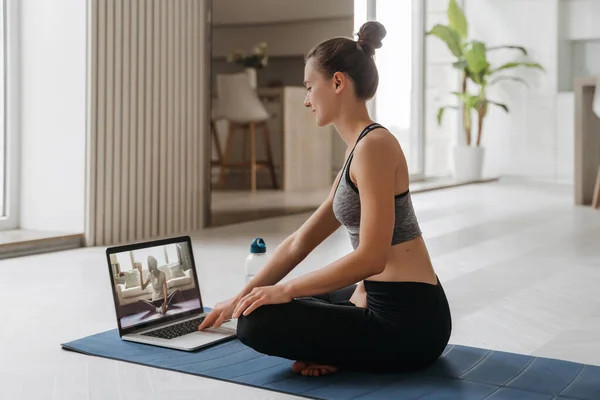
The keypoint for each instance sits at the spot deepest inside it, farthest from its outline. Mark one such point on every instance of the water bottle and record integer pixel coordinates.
(256, 259)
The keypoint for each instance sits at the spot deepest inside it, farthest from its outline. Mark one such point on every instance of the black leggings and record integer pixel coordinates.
(154, 304)
(406, 327)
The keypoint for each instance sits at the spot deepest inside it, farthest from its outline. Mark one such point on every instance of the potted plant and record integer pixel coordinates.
(476, 71)
(258, 59)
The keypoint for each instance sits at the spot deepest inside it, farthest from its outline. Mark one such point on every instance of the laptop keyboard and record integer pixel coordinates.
(173, 331)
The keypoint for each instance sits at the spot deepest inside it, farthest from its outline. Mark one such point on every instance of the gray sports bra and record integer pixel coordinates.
(346, 205)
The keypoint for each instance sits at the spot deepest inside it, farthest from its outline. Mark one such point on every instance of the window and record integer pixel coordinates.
(124, 260)
(172, 253)
(159, 253)
(9, 171)
(3, 207)
(398, 104)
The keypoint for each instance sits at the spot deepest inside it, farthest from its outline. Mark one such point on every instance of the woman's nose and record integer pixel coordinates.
(306, 101)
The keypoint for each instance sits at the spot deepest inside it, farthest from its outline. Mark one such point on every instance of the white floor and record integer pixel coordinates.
(519, 262)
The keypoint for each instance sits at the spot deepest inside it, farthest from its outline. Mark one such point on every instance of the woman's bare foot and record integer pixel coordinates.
(312, 369)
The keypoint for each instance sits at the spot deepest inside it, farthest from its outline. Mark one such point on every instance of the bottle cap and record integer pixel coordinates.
(258, 246)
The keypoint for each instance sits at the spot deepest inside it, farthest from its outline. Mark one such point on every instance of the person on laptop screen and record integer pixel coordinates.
(161, 298)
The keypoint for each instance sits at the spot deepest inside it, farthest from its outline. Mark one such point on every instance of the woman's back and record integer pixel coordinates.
(408, 258)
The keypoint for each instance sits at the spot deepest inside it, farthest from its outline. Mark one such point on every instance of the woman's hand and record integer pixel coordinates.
(261, 296)
(219, 314)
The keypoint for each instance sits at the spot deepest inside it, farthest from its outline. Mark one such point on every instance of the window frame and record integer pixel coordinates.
(418, 111)
(11, 124)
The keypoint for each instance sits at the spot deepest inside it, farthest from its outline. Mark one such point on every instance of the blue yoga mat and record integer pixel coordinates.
(464, 373)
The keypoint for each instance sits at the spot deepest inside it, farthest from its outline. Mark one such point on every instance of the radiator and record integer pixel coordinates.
(147, 91)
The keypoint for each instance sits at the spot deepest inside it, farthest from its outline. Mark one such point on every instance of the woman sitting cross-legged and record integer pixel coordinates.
(381, 307)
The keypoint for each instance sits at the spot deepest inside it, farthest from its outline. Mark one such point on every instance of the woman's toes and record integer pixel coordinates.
(311, 369)
(298, 366)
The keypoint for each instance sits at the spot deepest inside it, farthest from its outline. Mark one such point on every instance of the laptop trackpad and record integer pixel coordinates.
(227, 328)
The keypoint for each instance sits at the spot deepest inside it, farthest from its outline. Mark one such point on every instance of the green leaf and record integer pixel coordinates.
(509, 78)
(476, 57)
(457, 19)
(449, 36)
(467, 99)
(522, 49)
(477, 78)
(472, 101)
(440, 113)
(461, 96)
(460, 64)
(503, 106)
(517, 64)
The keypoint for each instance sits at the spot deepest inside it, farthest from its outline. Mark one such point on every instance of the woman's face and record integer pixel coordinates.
(320, 95)
(152, 266)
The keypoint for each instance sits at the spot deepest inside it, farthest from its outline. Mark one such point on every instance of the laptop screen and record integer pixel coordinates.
(153, 283)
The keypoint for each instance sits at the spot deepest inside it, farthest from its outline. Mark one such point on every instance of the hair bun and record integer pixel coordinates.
(370, 35)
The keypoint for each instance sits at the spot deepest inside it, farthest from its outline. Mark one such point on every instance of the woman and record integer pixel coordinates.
(397, 316)
(161, 298)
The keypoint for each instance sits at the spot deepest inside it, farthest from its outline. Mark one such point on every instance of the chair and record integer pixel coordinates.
(241, 107)
(596, 198)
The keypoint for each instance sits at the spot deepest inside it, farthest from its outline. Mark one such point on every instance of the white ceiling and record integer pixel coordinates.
(269, 11)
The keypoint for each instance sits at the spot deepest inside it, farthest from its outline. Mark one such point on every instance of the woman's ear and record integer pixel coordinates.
(339, 81)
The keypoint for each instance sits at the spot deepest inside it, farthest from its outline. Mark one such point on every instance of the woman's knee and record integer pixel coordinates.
(255, 329)
(248, 327)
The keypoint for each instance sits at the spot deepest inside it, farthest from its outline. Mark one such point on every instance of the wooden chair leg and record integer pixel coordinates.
(215, 135)
(596, 198)
(225, 159)
(252, 158)
(245, 149)
(265, 127)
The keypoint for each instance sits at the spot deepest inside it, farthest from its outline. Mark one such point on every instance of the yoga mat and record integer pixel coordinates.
(462, 372)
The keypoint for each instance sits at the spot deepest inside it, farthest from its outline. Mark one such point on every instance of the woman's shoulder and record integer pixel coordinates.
(379, 144)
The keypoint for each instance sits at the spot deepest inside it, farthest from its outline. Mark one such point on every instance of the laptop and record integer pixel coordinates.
(157, 296)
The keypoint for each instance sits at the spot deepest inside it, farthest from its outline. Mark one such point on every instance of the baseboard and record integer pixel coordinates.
(24, 243)
(431, 184)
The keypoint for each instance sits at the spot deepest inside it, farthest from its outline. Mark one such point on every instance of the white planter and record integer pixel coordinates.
(251, 72)
(468, 163)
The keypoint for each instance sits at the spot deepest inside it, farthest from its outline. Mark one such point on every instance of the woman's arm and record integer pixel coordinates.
(375, 162)
(296, 247)
(138, 266)
(286, 257)
(164, 289)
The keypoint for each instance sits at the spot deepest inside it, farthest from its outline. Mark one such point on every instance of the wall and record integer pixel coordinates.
(229, 12)
(581, 19)
(536, 139)
(147, 120)
(284, 39)
(524, 142)
(288, 42)
(440, 79)
(281, 71)
(579, 44)
(53, 100)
